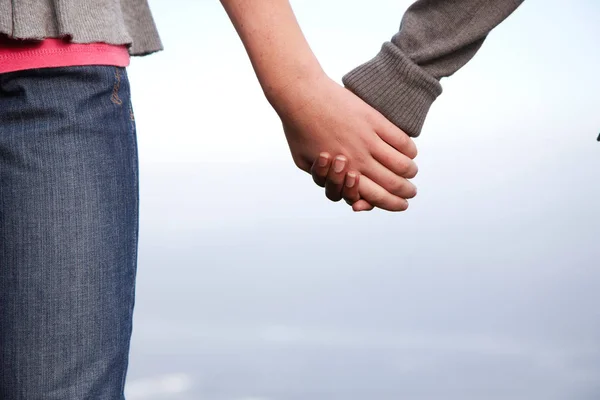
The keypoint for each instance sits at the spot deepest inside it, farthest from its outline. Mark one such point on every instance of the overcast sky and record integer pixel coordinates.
(252, 286)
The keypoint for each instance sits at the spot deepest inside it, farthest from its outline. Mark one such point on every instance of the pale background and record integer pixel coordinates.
(252, 286)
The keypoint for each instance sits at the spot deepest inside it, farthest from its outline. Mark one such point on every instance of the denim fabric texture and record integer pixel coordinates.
(68, 233)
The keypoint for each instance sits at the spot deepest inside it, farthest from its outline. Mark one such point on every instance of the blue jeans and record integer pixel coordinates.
(68, 233)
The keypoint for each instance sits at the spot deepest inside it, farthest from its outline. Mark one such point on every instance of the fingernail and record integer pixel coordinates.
(323, 160)
(351, 180)
(339, 164)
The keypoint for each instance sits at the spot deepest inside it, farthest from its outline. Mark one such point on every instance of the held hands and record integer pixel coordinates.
(373, 158)
(318, 115)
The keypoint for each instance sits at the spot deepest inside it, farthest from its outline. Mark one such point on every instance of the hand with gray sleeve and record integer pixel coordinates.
(436, 38)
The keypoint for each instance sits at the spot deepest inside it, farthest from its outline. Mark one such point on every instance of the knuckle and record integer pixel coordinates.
(405, 167)
(378, 198)
(359, 157)
(373, 118)
(404, 145)
(369, 146)
(402, 188)
(403, 139)
(396, 185)
(359, 161)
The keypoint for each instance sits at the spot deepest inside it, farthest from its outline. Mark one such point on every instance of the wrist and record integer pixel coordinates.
(397, 87)
(285, 88)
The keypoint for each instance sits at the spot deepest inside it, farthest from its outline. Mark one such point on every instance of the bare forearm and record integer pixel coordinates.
(274, 42)
(318, 114)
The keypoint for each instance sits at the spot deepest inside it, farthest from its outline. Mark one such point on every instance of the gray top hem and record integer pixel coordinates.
(119, 22)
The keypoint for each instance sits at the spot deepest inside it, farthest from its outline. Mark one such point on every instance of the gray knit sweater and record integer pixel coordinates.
(83, 21)
(436, 38)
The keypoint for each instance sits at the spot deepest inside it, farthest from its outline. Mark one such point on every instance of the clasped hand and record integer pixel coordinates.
(348, 147)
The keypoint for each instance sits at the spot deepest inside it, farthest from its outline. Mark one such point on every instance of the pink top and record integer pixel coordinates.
(18, 55)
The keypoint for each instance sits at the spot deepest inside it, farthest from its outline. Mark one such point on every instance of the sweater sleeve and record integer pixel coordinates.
(436, 38)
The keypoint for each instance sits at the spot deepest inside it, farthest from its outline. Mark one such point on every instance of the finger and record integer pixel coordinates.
(394, 160)
(335, 179)
(351, 195)
(396, 137)
(362, 205)
(350, 191)
(320, 169)
(379, 197)
(392, 183)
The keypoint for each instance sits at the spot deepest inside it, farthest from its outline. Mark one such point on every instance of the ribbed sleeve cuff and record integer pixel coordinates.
(396, 87)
